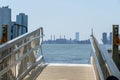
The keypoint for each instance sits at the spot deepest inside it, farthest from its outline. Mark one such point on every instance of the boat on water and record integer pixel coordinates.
(19, 60)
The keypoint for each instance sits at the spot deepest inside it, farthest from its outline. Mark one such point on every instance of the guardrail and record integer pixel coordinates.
(103, 61)
(19, 56)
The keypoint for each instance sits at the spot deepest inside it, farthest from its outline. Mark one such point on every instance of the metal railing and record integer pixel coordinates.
(103, 63)
(19, 56)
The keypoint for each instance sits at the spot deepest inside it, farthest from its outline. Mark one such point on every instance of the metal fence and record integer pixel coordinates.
(103, 61)
(18, 56)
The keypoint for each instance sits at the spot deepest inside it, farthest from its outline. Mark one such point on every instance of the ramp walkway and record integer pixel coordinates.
(67, 72)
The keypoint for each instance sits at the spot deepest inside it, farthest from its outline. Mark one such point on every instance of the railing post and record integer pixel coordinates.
(41, 31)
(115, 46)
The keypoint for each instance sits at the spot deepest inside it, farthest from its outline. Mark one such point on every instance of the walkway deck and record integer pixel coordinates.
(67, 72)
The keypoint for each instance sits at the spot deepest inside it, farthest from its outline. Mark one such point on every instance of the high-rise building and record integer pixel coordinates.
(110, 42)
(22, 20)
(5, 24)
(77, 36)
(104, 38)
(14, 30)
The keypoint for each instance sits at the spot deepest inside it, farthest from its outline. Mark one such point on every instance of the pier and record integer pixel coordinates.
(19, 60)
(67, 72)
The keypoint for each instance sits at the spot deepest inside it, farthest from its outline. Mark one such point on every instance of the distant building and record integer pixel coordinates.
(107, 40)
(61, 41)
(104, 38)
(9, 29)
(110, 41)
(65, 41)
(84, 42)
(14, 31)
(5, 21)
(77, 36)
(22, 19)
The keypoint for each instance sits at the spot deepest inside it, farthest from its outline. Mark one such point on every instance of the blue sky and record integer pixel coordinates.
(65, 17)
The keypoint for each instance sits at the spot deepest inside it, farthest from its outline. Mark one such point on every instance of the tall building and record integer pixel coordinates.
(77, 36)
(14, 30)
(104, 38)
(22, 20)
(5, 24)
(110, 42)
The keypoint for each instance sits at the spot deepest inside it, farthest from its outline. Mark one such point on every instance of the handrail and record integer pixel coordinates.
(10, 43)
(105, 62)
(19, 56)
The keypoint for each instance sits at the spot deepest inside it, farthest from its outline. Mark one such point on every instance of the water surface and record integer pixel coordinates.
(67, 53)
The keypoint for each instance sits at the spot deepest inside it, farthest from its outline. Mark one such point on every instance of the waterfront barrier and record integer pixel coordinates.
(104, 65)
(19, 56)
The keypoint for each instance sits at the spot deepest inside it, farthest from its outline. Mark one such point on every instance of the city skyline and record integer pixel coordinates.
(68, 16)
(64, 40)
(62, 36)
(105, 38)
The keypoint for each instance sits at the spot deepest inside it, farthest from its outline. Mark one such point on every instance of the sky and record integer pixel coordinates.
(65, 17)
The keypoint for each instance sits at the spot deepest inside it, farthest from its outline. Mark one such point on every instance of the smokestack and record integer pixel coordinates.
(54, 37)
(64, 36)
(51, 37)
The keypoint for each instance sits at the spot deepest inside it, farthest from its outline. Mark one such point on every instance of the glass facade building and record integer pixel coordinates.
(22, 20)
(5, 20)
